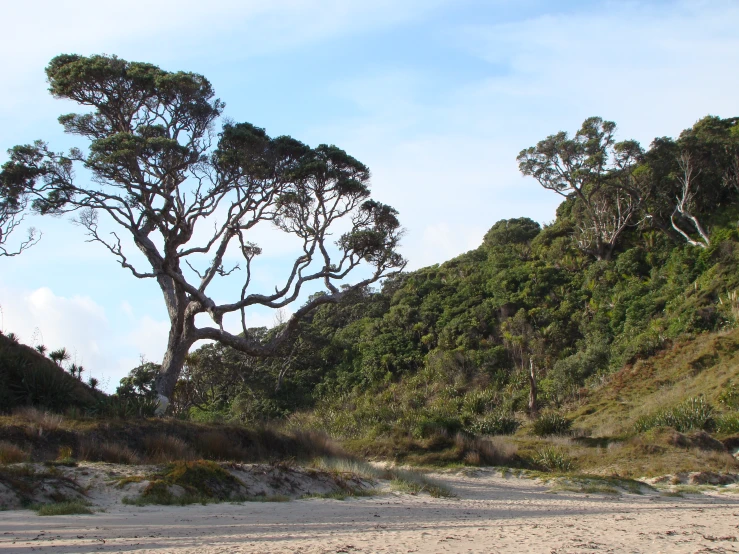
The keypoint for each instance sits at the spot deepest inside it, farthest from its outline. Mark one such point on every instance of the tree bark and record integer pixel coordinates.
(174, 358)
(181, 338)
(533, 408)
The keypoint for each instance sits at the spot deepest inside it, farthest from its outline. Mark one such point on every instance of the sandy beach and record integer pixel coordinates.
(490, 514)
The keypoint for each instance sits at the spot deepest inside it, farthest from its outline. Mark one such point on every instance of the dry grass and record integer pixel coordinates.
(163, 448)
(215, 444)
(703, 366)
(111, 452)
(158, 440)
(12, 454)
(317, 441)
(440, 449)
(40, 420)
(654, 453)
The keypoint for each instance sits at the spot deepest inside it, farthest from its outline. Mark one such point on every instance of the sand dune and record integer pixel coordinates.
(490, 514)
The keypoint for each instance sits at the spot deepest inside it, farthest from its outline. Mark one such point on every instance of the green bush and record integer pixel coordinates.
(553, 459)
(126, 407)
(728, 424)
(693, 414)
(729, 397)
(493, 424)
(551, 423)
(64, 508)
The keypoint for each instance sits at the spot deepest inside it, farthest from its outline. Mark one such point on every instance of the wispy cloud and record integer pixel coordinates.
(439, 124)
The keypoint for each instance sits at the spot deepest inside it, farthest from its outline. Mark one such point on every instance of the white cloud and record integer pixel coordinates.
(41, 317)
(449, 163)
(655, 69)
(440, 242)
(80, 324)
(446, 160)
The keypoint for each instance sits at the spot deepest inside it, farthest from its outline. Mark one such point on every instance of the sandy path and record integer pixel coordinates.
(492, 514)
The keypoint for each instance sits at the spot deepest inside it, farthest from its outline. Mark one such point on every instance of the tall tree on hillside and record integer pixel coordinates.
(692, 176)
(190, 199)
(602, 174)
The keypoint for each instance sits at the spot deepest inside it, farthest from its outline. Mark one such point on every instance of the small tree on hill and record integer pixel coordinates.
(161, 175)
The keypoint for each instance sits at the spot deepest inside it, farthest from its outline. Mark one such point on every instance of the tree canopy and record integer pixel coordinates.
(160, 172)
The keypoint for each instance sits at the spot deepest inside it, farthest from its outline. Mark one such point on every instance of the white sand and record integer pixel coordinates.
(491, 514)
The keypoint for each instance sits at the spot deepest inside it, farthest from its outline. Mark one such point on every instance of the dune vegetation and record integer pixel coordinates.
(605, 341)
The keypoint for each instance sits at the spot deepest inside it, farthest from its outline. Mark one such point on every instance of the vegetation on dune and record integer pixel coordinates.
(31, 435)
(64, 508)
(555, 325)
(606, 340)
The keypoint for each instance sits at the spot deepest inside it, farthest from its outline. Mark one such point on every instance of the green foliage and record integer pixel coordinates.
(493, 424)
(201, 482)
(125, 407)
(553, 459)
(729, 397)
(449, 348)
(551, 423)
(70, 507)
(727, 424)
(693, 414)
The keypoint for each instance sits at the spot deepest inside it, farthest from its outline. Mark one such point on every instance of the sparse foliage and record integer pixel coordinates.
(14, 199)
(602, 174)
(60, 356)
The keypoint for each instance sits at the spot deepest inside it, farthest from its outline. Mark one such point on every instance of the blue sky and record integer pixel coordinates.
(437, 97)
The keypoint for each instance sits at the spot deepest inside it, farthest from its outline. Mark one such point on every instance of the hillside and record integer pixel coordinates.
(29, 378)
(705, 366)
(551, 335)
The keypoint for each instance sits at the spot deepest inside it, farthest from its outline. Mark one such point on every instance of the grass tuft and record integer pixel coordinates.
(43, 421)
(414, 483)
(162, 448)
(693, 414)
(64, 508)
(551, 423)
(12, 454)
(111, 452)
(553, 459)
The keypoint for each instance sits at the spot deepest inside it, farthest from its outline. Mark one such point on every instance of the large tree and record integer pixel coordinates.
(601, 174)
(160, 173)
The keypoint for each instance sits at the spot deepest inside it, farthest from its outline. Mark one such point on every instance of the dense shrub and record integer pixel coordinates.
(494, 424)
(551, 423)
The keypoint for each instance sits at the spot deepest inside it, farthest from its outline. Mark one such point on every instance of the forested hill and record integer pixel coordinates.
(643, 252)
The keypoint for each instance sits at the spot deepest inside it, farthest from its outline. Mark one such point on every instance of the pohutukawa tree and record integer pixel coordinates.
(602, 174)
(13, 204)
(159, 172)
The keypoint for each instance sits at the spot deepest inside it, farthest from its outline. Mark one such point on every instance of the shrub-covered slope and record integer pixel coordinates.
(530, 321)
(28, 378)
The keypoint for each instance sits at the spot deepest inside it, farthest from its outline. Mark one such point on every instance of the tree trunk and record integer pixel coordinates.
(533, 408)
(172, 363)
(179, 342)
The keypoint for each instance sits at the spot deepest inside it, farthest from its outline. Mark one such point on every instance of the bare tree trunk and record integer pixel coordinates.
(533, 408)
(178, 343)
(174, 360)
(685, 202)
